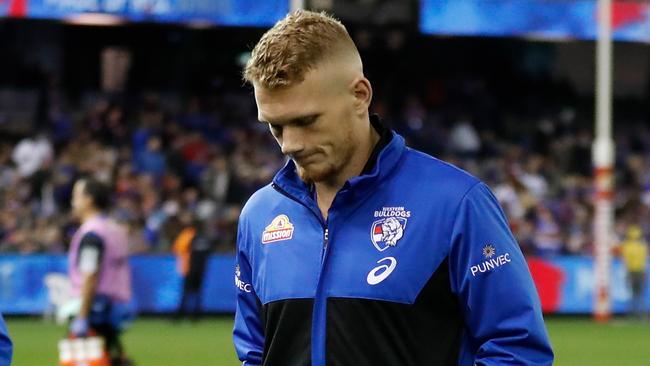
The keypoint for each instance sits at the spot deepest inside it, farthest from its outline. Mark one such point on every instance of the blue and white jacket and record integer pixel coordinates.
(415, 265)
(6, 346)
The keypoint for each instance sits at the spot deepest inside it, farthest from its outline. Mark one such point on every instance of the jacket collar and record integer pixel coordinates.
(385, 136)
(288, 181)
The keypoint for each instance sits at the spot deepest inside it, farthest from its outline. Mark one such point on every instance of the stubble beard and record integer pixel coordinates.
(330, 169)
(311, 176)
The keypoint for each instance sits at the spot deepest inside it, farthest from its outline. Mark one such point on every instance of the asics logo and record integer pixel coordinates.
(380, 273)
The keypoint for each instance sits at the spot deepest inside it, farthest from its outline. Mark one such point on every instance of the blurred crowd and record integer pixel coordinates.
(533, 146)
(168, 171)
(198, 163)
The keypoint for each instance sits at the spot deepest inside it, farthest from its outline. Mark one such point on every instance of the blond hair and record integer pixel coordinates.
(295, 45)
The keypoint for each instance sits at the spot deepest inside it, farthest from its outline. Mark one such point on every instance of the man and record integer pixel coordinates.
(363, 251)
(192, 248)
(99, 269)
(6, 347)
(634, 251)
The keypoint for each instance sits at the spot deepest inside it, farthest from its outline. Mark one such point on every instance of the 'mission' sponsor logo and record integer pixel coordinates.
(279, 229)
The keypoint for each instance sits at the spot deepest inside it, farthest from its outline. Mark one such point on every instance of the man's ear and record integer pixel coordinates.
(362, 92)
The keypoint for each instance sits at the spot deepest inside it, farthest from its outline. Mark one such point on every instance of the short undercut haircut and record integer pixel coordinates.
(294, 46)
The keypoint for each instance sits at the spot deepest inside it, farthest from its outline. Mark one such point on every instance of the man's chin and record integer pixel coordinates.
(312, 175)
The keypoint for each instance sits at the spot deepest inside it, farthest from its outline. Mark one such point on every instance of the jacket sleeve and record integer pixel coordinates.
(6, 348)
(503, 317)
(248, 335)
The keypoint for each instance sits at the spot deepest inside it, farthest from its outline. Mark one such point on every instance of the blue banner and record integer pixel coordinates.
(157, 287)
(557, 19)
(565, 284)
(221, 12)
(22, 285)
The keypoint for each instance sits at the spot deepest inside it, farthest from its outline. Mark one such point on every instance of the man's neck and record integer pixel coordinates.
(327, 190)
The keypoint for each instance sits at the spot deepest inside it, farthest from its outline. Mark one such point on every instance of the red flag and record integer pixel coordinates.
(548, 280)
(18, 8)
(624, 13)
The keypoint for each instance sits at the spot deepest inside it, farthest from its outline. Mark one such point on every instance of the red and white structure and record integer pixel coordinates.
(603, 161)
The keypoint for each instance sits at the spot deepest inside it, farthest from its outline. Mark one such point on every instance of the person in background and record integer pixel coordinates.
(99, 270)
(192, 249)
(634, 251)
(152, 159)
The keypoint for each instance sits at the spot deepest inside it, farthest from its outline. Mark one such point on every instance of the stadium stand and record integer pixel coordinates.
(206, 160)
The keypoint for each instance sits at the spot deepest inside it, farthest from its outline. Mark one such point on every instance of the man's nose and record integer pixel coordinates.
(293, 141)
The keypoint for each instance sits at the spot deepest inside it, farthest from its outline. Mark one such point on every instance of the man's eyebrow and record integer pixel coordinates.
(292, 120)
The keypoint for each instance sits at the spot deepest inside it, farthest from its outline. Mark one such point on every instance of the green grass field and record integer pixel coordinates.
(159, 342)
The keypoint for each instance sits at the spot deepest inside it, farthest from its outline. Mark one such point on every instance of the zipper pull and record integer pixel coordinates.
(326, 237)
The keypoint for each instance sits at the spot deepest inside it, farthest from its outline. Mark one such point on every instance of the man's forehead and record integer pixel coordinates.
(281, 105)
(279, 116)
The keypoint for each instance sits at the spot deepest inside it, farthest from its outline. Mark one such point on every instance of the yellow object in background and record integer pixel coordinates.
(634, 250)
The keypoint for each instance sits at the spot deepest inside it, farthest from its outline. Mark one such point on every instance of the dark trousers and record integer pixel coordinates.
(100, 321)
(637, 285)
(190, 299)
(113, 345)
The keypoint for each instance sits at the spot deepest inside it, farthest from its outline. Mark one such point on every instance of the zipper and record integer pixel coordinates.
(326, 240)
(318, 216)
(318, 313)
(288, 195)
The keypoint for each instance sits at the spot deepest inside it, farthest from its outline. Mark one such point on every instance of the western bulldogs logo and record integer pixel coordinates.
(387, 232)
